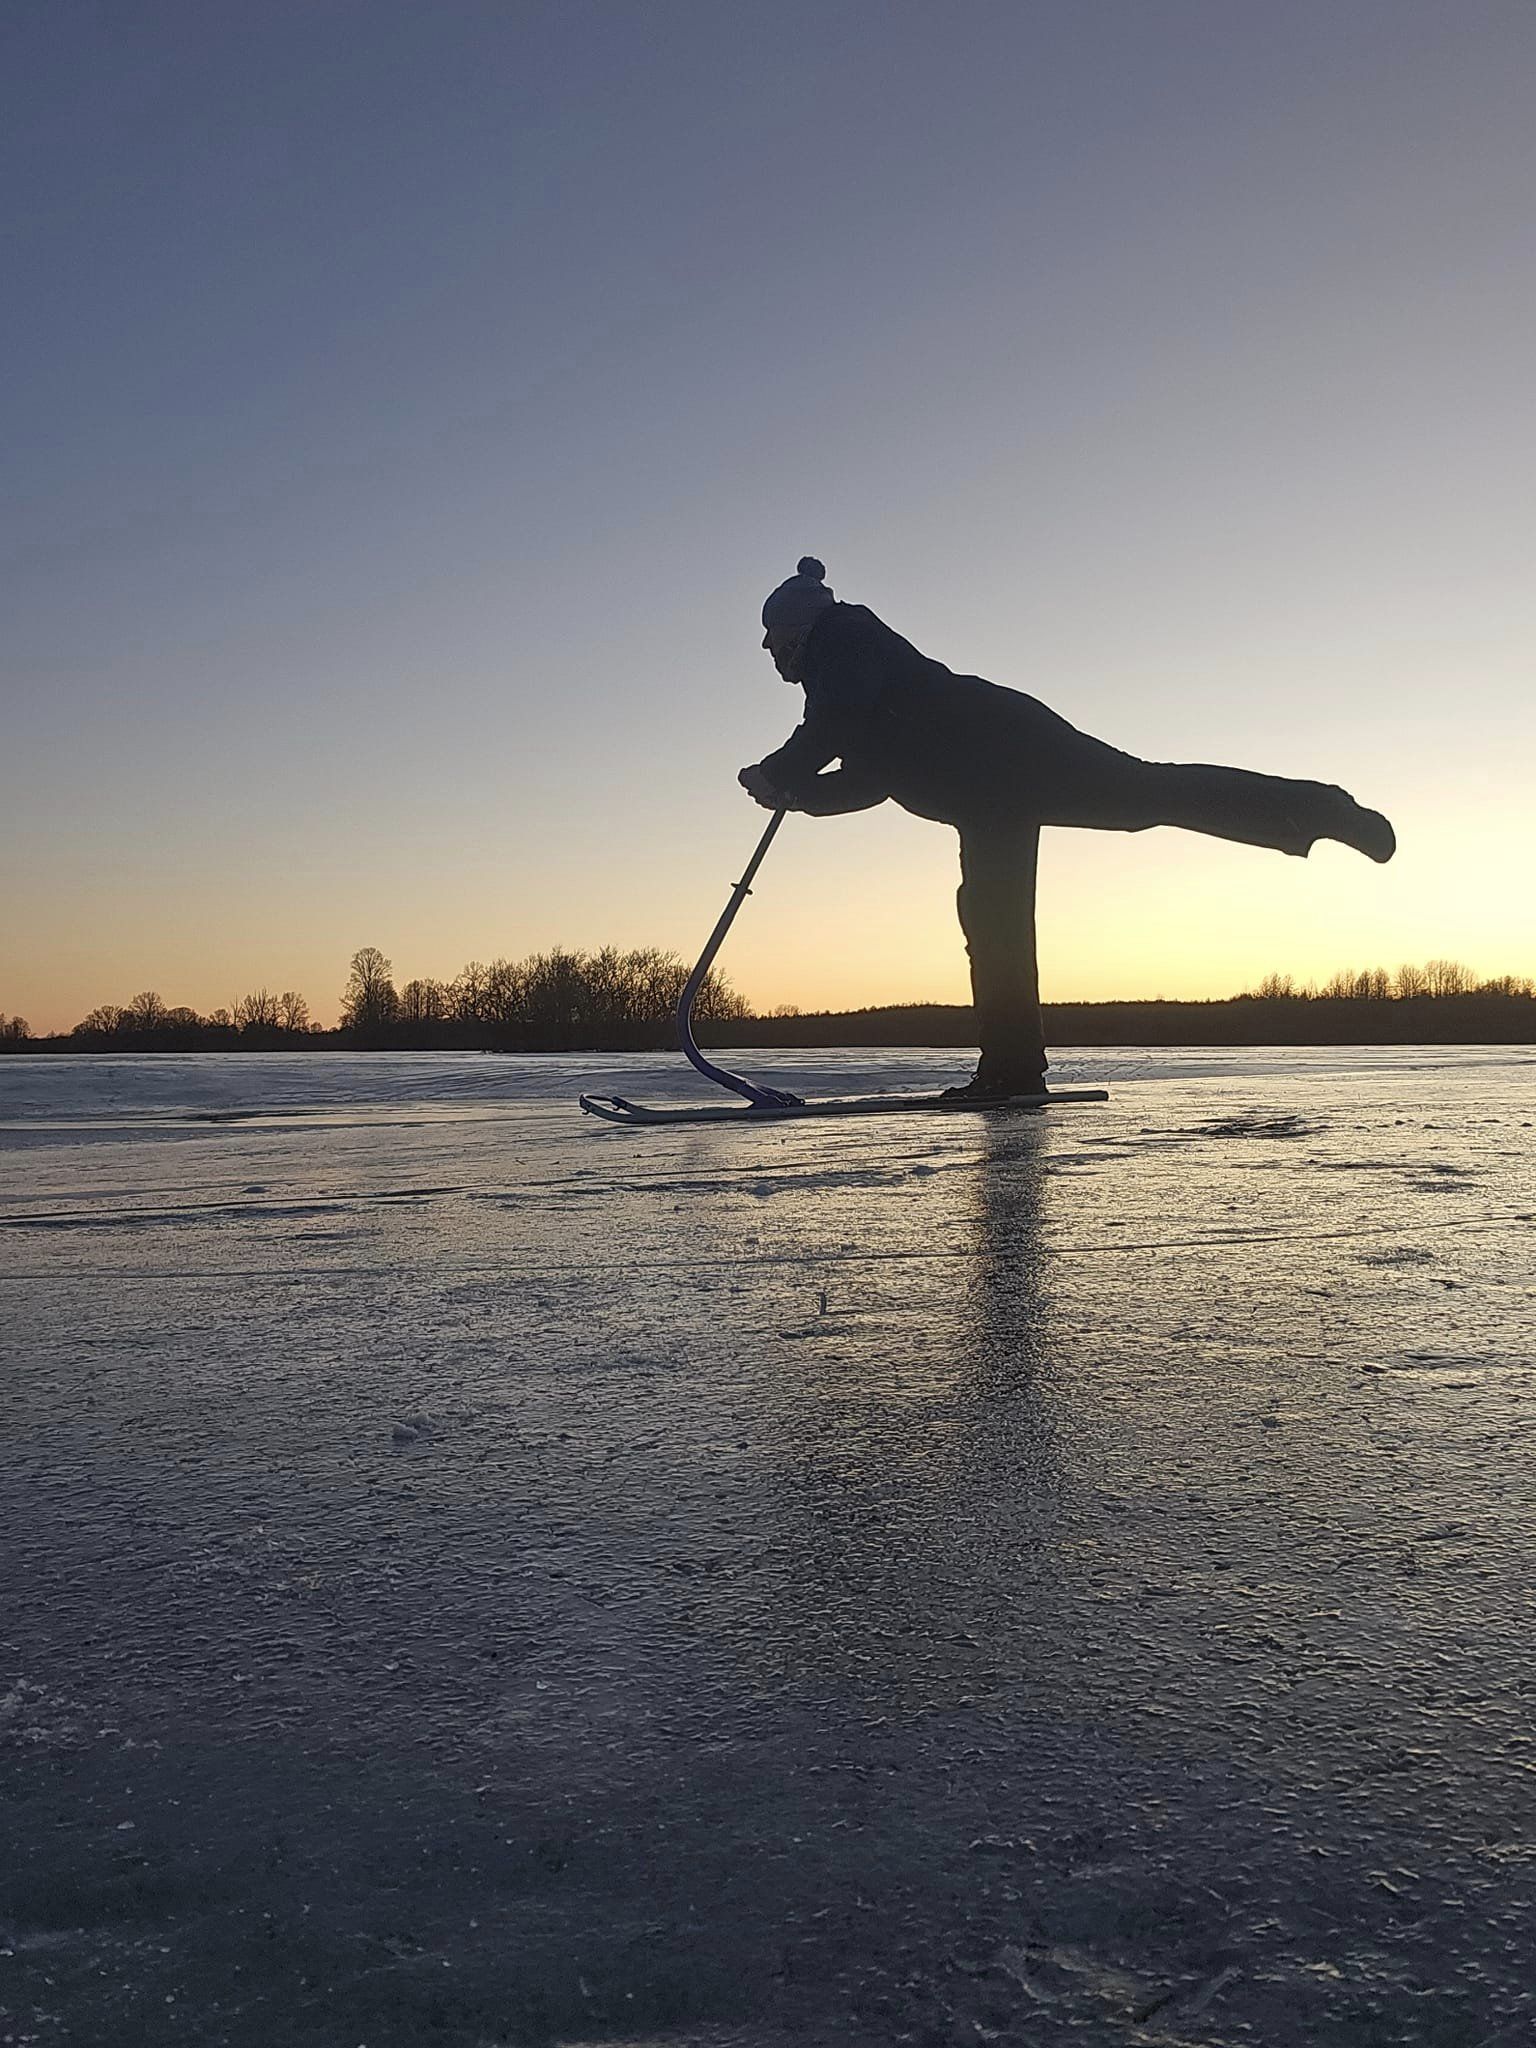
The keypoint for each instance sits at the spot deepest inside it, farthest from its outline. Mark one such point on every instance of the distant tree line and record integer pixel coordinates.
(149, 1016)
(558, 1001)
(612, 1001)
(1441, 1003)
(550, 1002)
(1436, 979)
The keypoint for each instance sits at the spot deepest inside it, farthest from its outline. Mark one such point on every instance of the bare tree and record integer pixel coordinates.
(102, 1022)
(1409, 981)
(502, 995)
(147, 1012)
(369, 1001)
(423, 1002)
(256, 1012)
(14, 1029)
(609, 995)
(552, 989)
(1277, 988)
(718, 1002)
(656, 982)
(292, 1011)
(1446, 978)
(466, 993)
(1362, 985)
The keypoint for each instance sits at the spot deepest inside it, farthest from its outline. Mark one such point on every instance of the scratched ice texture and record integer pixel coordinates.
(472, 1575)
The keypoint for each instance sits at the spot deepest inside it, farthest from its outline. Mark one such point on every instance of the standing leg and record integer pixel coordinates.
(998, 863)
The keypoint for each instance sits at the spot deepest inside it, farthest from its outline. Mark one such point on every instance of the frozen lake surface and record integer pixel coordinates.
(477, 1576)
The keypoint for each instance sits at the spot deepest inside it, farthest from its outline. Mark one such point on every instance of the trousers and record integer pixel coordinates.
(1097, 787)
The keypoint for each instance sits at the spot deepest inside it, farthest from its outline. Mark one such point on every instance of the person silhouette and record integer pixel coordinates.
(997, 765)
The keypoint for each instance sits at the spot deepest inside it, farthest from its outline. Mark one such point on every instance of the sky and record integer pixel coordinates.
(407, 410)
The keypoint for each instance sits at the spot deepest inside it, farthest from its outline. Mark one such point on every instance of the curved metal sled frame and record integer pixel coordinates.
(759, 1098)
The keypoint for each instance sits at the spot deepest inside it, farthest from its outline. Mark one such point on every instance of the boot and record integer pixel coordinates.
(1368, 832)
(997, 1085)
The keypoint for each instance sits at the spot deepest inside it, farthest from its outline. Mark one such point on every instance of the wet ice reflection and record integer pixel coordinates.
(770, 1576)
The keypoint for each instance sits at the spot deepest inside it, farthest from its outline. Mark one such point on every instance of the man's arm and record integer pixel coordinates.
(776, 782)
(819, 796)
(809, 749)
(841, 790)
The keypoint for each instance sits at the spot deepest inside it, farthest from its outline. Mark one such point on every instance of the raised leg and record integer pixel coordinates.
(1102, 788)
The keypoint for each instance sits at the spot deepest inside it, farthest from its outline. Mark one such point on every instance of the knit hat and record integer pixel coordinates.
(799, 601)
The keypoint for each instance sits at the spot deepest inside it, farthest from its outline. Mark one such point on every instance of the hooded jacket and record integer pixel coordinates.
(944, 746)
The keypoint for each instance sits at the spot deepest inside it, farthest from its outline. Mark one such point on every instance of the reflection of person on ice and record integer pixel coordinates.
(997, 766)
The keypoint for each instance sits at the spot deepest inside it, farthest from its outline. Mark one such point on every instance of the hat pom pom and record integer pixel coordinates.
(809, 566)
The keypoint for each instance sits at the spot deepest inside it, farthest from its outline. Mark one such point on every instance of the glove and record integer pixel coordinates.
(762, 791)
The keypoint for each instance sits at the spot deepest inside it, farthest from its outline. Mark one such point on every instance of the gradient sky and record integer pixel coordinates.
(408, 408)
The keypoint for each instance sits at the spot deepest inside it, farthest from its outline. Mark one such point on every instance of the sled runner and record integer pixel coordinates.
(615, 1109)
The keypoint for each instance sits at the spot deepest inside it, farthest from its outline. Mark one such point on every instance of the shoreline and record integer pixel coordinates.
(1157, 1025)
